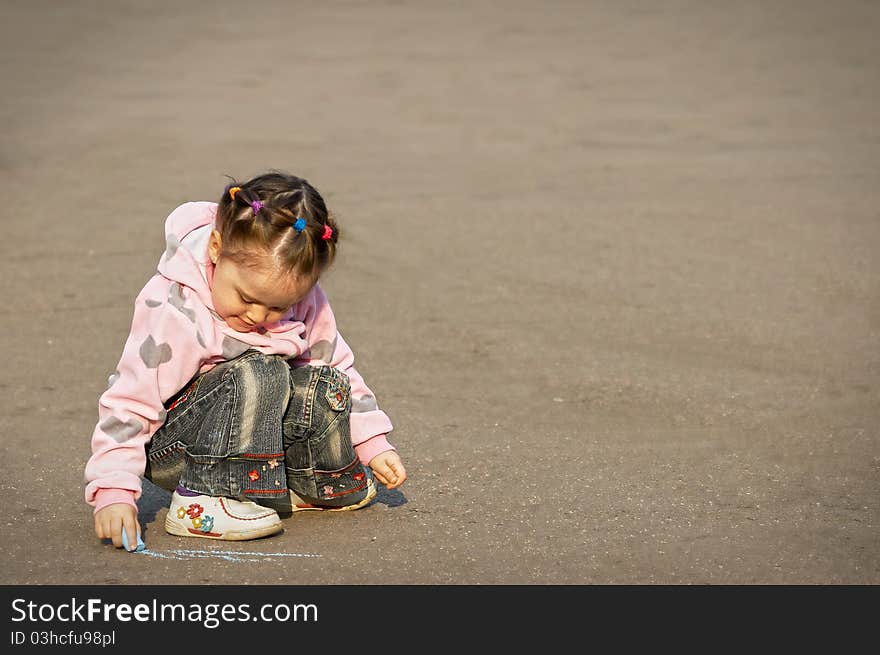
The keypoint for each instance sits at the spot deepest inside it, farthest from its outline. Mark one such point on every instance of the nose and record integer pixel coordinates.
(256, 314)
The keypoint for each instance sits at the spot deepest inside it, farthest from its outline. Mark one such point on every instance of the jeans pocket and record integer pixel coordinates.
(337, 390)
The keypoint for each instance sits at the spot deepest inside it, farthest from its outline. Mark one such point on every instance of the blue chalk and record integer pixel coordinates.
(140, 543)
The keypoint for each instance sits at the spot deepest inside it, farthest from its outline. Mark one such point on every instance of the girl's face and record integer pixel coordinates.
(248, 297)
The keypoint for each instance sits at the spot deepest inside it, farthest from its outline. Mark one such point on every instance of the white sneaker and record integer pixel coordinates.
(216, 517)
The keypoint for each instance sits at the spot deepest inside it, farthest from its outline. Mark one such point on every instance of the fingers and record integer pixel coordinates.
(391, 474)
(104, 527)
(394, 475)
(132, 529)
(116, 531)
(386, 476)
(401, 474)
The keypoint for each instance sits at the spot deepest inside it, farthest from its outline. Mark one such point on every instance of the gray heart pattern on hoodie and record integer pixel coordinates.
(323, 350)
(172, 244)
(119, 431)
(153, 354)
(177, 300)
(365, 403)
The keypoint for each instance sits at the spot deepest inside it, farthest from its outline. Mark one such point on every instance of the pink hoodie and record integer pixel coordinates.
(175, 334)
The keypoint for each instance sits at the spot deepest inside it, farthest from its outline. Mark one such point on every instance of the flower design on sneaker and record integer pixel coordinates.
(328, 490)
(197, 522)
(207, 523)
(181, 512)
(358, 476)
(195, 510)
(254, 475)
(273, 463)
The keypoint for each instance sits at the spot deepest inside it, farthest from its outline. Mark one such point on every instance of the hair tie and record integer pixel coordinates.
(233, 191)
(256, 205)
(328, 232)
(300, 224)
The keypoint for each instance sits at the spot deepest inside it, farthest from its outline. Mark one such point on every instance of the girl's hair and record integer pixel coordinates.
(262, 215)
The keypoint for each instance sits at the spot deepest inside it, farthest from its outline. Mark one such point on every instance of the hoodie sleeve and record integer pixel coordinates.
(369, 424)
(164, 350)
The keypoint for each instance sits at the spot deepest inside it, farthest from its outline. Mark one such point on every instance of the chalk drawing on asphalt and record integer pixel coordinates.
(228, 555)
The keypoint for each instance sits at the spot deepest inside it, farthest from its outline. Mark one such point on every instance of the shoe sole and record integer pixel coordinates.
(305, 507)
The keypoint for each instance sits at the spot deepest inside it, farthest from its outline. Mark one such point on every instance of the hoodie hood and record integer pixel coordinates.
(185, 260)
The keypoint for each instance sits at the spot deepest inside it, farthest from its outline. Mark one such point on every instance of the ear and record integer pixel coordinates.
(215, 246)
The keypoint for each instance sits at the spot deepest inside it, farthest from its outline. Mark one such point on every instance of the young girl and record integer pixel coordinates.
(235, 390)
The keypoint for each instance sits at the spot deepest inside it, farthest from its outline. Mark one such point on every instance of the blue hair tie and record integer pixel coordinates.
(300, 224)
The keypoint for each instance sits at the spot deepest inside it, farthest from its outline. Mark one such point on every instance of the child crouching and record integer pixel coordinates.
(235, 390)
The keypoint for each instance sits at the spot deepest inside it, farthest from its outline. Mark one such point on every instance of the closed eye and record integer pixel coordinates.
(248, 301)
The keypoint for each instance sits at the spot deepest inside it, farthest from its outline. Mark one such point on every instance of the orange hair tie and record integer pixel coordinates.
(233, 191)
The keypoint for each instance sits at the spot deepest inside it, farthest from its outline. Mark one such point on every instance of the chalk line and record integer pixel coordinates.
(228, 555)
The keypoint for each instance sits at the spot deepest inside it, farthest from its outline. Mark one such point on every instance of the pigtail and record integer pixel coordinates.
(227, 208)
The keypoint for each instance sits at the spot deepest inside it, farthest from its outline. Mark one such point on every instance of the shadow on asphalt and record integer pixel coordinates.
(390, 497)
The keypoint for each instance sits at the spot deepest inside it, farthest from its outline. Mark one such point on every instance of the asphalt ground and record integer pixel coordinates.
(611, 269)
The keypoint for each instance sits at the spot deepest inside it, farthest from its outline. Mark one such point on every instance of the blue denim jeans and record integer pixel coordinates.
(252, 427)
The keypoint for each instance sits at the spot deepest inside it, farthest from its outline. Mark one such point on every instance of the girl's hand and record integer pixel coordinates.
(388, 469)
(110, 520)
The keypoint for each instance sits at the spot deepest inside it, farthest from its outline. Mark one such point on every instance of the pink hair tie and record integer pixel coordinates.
(328, 232)
(256, 205)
